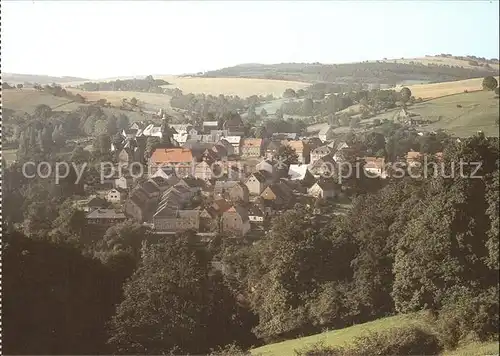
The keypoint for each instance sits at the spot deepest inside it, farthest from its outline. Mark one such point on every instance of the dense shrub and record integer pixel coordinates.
(399, 341)
(490, 83)
(468, 315)
(230, 350)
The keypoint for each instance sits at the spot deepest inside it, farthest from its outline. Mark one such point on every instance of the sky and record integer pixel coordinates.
(100, 39)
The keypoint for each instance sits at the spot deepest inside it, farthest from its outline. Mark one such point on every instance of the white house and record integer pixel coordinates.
(322, 189)
(115, 196)
(235, 141)
(123, 183)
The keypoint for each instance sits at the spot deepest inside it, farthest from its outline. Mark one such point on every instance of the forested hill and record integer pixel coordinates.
(381, 72)
(40, 79)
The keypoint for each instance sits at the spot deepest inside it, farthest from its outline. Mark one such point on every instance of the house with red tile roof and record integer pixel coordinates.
(180, 158)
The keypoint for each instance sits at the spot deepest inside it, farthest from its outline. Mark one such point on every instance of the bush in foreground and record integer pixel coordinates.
(468, 315)
(399, 341)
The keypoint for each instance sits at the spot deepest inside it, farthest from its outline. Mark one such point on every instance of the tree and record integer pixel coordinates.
(125, 237)
(287, 155)
(279, 114)
(289, 93)
(176, 285)
(123, 122)
(355, 122)
(252, 115)
(42, 111)
(151, 143)
(405, 94)
(307, 107)
(263, 113)
(490, 83)
(112, 125)
(134, 101)
(79, 155)
(102, 144)
(58, 136)
(167, 134)
(62, 297)
(19, 86)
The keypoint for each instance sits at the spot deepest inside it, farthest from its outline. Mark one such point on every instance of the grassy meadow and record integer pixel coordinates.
(461, 114)
(343, 337)
(242, 87)
(436, 90)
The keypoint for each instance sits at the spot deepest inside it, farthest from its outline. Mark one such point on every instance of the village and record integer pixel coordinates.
(216, 181)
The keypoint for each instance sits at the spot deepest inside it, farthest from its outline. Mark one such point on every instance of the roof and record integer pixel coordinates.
(374, 162)
(181, 128)
(273, 145)
(287, 135)
(150, 187)
(297, 171)
(233, 139)
(234, 120)
(172, 155)
(105, 214)
(221, 205)
(297, 145)
(322, 150)
(326, 184)
(210, 123)
(324, 130)
(224, 185)
(130, 131)
(192, 182)
(159, 181)
(254, 210)
(96, 202)
(252, 142)
(180, 188)
(412, 155)
(139, 196)
(322, 160)
(220, 150)
(280, 191)
(242, 212)
(259, 176)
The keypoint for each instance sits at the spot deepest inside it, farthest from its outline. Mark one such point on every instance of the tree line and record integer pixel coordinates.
(148, 85)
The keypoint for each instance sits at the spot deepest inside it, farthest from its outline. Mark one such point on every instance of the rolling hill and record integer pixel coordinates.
(390, 72)
(14, 78)
(26, 100)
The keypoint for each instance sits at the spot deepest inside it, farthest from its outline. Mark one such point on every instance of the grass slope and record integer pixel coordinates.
(336, 337)
(478, 112)
(347, 335)
(242, 87)
(436, 90)
(26, 100)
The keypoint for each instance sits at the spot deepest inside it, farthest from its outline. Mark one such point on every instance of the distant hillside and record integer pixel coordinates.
(391, 72)
(15, 78)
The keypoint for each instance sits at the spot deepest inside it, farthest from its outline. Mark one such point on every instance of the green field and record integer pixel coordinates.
(26, 100)
(459, 114)
(344, 336)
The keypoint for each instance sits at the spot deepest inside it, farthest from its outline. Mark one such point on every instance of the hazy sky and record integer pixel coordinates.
(98, 39)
